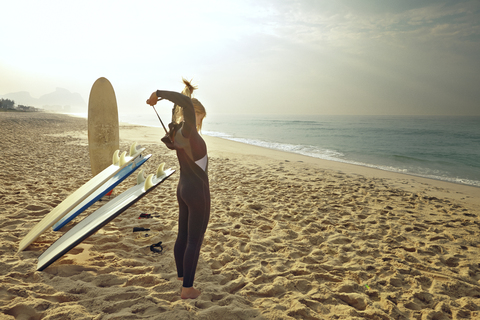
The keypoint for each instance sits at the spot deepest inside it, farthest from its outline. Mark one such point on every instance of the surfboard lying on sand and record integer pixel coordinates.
(102, 191)
(102, 216)
(119, 162)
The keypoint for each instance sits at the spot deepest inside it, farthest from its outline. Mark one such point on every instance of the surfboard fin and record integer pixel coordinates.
(116, 158)
(140, 177)
(137, 160)
(160, 171)
(133, 149)
(149, 182)
(123, 161)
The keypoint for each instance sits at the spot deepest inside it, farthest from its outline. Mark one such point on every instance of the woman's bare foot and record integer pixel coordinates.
(190, 293)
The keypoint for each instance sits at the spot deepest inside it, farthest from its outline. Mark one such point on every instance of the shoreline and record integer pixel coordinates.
(224, 147)
(348, 163)
(289, 237)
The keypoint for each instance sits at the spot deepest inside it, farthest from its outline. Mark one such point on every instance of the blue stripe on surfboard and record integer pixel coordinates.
(102, 191)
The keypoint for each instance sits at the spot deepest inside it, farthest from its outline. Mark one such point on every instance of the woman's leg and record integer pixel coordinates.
(192, 253)
(199, 214)
(182, 236)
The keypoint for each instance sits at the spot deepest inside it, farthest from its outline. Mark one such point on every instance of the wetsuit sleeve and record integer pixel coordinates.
(188, 110)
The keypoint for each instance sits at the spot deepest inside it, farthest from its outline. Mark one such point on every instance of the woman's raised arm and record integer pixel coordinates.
(188, 110)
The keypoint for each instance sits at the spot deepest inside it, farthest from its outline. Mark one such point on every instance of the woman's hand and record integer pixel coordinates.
(153, 99)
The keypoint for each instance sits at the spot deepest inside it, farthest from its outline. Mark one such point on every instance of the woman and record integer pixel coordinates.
(193, 192)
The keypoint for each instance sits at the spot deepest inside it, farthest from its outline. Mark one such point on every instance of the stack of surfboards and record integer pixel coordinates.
(86, 195)
(119, 162)
(102, 216)
(103, 141)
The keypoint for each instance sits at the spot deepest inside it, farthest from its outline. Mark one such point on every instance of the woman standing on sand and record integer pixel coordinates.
(193, 192)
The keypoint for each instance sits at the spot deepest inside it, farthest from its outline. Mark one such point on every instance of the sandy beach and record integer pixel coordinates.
(290, 237)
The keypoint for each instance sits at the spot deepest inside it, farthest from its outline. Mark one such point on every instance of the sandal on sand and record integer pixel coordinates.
(154, 247)
(137, 229)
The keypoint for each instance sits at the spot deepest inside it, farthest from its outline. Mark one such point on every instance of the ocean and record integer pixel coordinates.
(436, 147)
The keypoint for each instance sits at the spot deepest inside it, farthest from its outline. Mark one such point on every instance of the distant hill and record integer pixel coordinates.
(59, 100)
(22, 97)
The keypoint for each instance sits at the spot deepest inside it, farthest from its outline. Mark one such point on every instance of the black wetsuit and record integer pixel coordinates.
(193, 192)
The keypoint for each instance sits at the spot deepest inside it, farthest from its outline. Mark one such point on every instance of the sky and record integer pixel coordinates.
(369, 57)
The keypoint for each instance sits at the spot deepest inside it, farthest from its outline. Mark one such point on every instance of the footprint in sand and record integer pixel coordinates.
(22, 311)
(34, 210)
(108, 280)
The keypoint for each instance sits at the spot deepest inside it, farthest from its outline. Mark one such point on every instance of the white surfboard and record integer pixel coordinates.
(102, 216)
(119, 162)
(102, 191)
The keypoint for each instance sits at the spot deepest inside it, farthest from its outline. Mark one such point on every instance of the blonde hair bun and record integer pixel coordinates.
(189, 88)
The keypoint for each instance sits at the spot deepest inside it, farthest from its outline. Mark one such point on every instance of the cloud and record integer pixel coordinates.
(409, 57)
(282, 56)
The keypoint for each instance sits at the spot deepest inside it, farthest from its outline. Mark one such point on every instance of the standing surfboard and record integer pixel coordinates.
(103, 132)
(102, 216)
(118, 163)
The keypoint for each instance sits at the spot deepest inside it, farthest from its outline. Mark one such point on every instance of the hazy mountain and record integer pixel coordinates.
(59, 100)
(21, 98)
